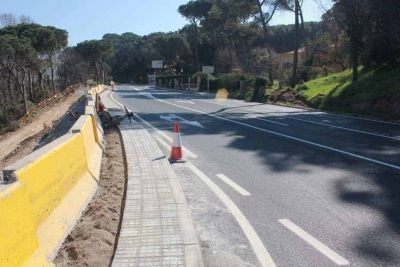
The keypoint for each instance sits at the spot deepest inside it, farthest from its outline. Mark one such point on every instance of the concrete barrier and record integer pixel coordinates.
(86, 126)
(47, 192)
(97, 126)
(18, 238)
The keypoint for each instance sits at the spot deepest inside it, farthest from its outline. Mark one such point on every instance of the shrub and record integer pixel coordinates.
(302, 87)
(261, 81)
(13, 125)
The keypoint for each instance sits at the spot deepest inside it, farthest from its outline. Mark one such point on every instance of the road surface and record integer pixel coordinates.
(277, 186)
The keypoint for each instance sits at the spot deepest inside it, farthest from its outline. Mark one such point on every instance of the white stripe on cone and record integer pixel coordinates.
(176, 151)
(177, 140)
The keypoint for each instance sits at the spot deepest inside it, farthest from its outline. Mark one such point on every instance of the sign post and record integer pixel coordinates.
(208, 70)
(157, 64)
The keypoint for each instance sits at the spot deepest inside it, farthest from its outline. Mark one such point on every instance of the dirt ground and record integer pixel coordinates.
(10, 141)
(92, 241)
(31, 136)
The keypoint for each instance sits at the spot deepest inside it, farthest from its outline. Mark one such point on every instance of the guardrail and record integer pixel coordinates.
(48, 190)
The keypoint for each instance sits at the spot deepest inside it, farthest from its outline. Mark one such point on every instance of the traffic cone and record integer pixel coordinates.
(176, 151)
(100, 105)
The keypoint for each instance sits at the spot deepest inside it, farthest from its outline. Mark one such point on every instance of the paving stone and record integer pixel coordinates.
(150, 232)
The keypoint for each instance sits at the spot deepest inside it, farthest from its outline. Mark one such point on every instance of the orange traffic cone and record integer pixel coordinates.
(100, 105)
(176, 151)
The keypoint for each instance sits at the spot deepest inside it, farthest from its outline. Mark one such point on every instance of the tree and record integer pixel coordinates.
(296, 44)
(195, 11)
(94, 51)
(15, 55)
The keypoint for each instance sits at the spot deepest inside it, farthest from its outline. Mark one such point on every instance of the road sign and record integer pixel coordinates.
(157, 64)
(208, 69)
(174, 118)
(151, 79)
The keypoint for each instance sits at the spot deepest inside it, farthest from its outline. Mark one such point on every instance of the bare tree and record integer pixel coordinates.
(25, 19)
(8, 20)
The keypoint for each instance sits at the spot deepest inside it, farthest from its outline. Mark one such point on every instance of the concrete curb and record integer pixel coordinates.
(193, 254)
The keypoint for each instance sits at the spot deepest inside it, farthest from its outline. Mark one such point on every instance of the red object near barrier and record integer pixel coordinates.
(100, 106)
(176, 151)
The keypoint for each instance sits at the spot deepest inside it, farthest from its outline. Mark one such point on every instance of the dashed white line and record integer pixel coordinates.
(287, 136)
(324, 124)
(234, 185)
(314, 242)
(343, 128)
(259, 249)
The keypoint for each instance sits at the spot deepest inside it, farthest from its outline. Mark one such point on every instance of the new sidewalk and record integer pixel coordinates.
(157, 229)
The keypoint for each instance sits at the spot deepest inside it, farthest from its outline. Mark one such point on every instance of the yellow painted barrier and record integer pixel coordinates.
(85, 126)
(17, 231)
(51, 188)
(51, 176)
(97, 126)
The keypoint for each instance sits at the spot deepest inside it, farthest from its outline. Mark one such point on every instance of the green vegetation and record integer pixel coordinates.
(337, 92)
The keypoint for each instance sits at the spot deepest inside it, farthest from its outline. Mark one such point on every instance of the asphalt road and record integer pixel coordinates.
(324, 189)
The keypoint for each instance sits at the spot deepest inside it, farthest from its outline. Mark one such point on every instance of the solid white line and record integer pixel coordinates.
(315, 112)
(282, 124)
(186, 151)
(358, 118)
(287, 136)
(233, 185)
(314, 242)
(169, 139)
(259, 249)
(343, 128)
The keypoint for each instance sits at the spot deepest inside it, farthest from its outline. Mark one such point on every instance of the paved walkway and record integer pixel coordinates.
(157, 229)
(107, 101)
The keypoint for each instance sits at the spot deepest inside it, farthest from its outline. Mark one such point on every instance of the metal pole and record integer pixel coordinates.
(208, 83)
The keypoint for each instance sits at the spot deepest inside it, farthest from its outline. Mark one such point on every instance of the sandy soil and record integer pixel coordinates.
(10, 141)
(92, 241)
(32, 136)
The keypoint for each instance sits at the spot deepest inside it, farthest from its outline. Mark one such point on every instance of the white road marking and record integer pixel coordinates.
(233, 185)
(314, 242)
(287, 136)
(186, 151)
(173, 117)
(358, 118)
(186, 101)
(343, 128)
(317, 113)
(259, 249)
(329, 125)
(257, 117)
(282, 124)
(148, 95)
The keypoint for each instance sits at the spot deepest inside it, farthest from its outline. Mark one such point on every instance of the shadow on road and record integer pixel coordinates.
(357, 184)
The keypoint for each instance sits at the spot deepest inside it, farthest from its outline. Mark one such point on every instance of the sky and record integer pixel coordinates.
(91, 19)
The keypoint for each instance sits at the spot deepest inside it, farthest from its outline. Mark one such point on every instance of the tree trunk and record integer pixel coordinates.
(302, 29)
(296, 45)
(40, 81)
(196, 46)
(12, 99)
(104, 72)
(264, 23)
(97, 72)
(53, 85)
(30, 87)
